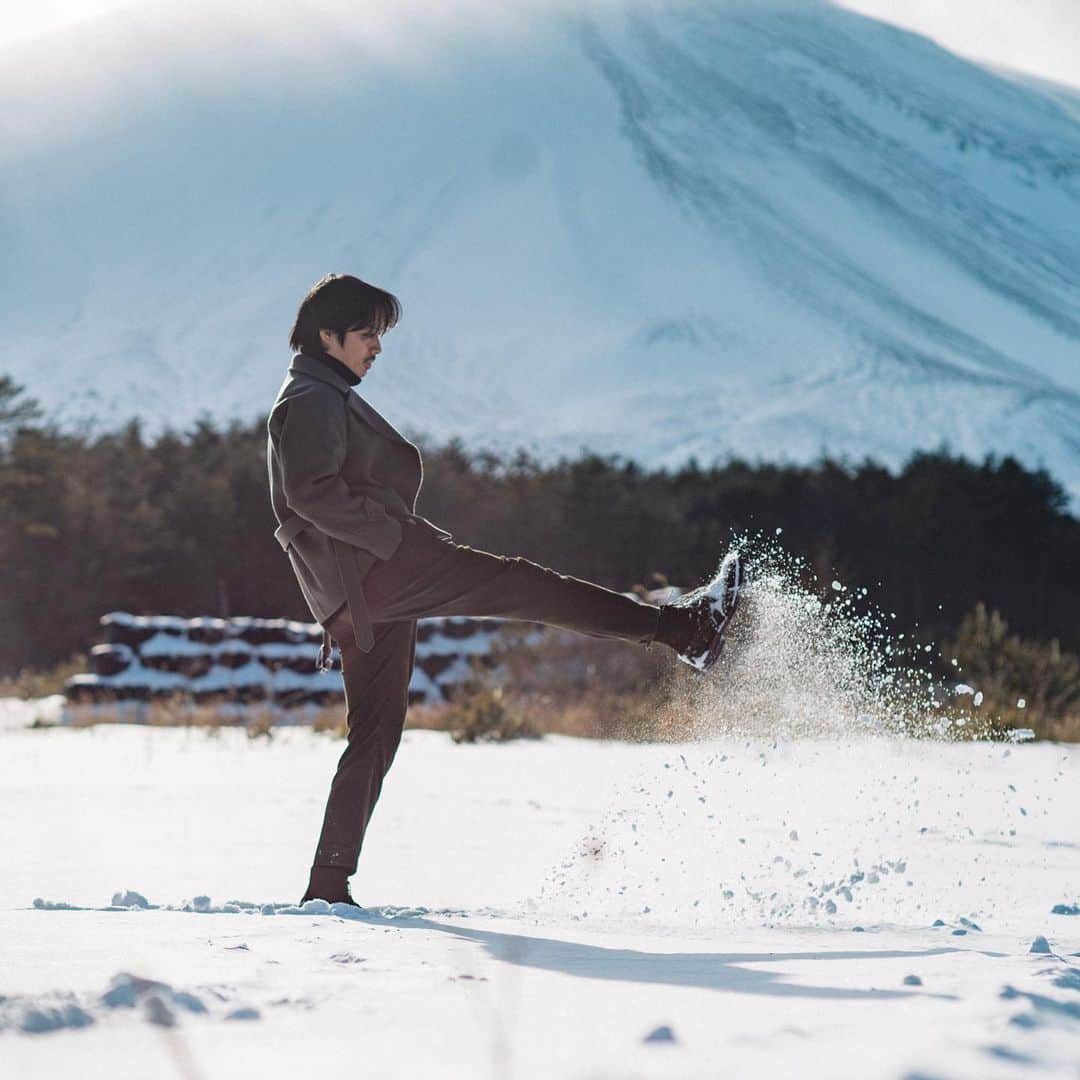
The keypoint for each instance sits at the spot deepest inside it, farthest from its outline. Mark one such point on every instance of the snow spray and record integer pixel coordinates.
(827, 782)
(801, 666)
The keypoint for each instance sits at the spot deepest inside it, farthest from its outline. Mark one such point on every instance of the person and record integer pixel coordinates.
(343, 485)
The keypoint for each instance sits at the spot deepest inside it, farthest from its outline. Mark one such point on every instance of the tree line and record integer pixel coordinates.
(181, 523)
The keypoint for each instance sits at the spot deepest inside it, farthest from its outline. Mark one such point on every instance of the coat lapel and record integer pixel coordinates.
(378, 422)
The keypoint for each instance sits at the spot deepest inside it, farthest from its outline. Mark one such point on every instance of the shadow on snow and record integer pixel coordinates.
(706, 971)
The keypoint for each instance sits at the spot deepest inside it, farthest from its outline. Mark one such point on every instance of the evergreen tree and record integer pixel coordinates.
(182, 523)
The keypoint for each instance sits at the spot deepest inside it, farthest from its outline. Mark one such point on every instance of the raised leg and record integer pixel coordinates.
(432, 576)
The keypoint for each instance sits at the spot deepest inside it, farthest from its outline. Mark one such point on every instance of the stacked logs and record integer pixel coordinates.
(247, 661)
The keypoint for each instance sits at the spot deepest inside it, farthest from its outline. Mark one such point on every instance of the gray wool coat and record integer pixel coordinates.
(342, 483)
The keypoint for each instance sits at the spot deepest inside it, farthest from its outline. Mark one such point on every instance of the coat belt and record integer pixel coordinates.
(351, 580)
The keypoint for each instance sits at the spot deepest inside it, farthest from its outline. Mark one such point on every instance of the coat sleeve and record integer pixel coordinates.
(312, 448)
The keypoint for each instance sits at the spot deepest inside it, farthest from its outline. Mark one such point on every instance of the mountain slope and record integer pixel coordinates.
(654, 229)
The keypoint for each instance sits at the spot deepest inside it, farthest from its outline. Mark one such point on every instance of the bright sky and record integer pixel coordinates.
(1038, 36)
(23, 19)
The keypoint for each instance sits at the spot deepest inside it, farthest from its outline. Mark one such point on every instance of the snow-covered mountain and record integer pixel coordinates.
(661, 229)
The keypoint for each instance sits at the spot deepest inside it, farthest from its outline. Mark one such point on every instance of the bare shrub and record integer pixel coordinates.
(485, 714)
(568, 684)
(1024, 684)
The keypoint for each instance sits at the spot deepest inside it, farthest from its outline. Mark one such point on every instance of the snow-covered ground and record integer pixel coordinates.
(540, 909)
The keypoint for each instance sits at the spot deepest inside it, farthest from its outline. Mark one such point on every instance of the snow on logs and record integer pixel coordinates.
(247, 660)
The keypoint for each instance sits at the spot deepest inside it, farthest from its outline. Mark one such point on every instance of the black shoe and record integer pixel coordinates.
(330, 884)
(712, 607)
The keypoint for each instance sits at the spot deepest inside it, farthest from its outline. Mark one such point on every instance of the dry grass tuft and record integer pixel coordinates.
(594, 688)
(38, 684)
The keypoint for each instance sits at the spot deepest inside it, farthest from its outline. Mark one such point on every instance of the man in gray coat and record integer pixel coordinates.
(343, 484)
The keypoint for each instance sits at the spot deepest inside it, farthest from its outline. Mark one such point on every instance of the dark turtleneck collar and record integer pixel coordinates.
(337, 367)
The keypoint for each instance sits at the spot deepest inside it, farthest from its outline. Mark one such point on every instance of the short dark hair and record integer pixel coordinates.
(341, 302)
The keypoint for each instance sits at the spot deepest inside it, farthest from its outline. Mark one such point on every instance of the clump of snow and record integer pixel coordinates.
(130, 899)
(204, 905)
(244, 1013)
(37, 1020)
(662, 1034)
(1040, 945)
(127, 990)
(158, 1003)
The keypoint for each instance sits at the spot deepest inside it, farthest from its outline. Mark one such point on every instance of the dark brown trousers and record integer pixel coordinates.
(430, 575)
